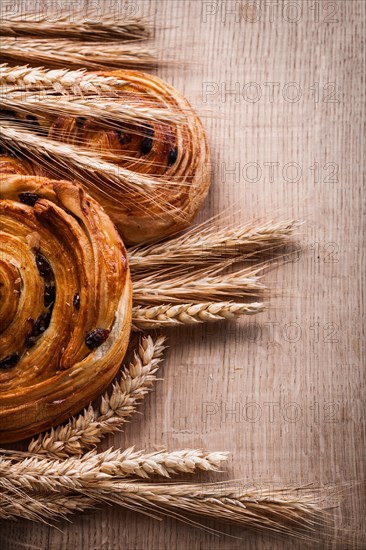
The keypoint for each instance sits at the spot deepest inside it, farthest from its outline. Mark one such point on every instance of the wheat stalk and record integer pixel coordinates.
(104, 27)
(94, 55)
(273, 510)
(276, 510)
(62, 81)
(203, 285)
(207, 244)
(89, 167)
(88, 428)
(167, 315)
(98, 108)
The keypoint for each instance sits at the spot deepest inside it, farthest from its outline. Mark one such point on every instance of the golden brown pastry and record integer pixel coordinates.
(178, 153)
(174, 153)
(65, 301)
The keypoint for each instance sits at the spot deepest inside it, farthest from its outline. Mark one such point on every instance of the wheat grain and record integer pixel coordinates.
(88, 428)
(62, 81)
(94, 55)
(207, 244)
(167, 315)
(80, 26)
(203, 285)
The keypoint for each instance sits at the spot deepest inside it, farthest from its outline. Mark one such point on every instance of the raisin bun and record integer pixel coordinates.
(65, 301)
(173, 155)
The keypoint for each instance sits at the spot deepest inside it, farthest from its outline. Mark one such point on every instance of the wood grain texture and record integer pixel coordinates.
(283, 392)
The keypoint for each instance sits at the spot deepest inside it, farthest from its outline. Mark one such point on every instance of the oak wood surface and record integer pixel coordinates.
(280, 87)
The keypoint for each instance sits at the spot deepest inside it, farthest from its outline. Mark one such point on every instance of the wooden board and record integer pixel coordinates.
(279, 86)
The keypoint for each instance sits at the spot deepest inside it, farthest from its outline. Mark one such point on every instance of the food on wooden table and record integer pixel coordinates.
(136, 145)
(65, 301)
(134, 142)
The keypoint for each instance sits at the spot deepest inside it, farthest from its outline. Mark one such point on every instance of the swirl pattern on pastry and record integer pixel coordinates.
(65, 301)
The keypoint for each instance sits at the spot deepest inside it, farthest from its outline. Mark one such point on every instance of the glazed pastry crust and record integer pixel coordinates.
(65, 301)
(190, 174)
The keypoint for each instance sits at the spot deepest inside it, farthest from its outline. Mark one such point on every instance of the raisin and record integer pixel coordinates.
(146, 145)
(49, 295)
(123, 138)
(28, 198)
(80, 121)
(172, 156)
(41, 324)
(30, 341)
(39, 327)
(43, 265)
(76, 301)
(9, 361)
(96, 338)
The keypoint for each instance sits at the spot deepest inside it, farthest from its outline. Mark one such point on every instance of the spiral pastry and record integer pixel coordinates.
(65, 301)
(174, 155)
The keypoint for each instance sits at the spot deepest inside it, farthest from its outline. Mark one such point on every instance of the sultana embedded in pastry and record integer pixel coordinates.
(65, 301)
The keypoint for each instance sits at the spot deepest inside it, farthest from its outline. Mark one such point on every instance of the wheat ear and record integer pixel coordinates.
(277, 511)
(87, 166)
(74, 473)
(207, 244)
(93, 55)
(79, 26)
(16, 504)
(204, 285)
(87, 429)
(167, 315)
(100, 109)
(62, 81)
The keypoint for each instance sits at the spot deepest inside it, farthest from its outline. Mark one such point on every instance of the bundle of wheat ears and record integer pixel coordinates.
(138, 148)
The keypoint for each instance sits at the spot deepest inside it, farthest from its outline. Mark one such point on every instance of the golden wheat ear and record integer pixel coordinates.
(104, 111)
(167, 315)
(77, 53)
(207, 244)
(93, 478)
(88, 166)
(61, 81)
(90, 27)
